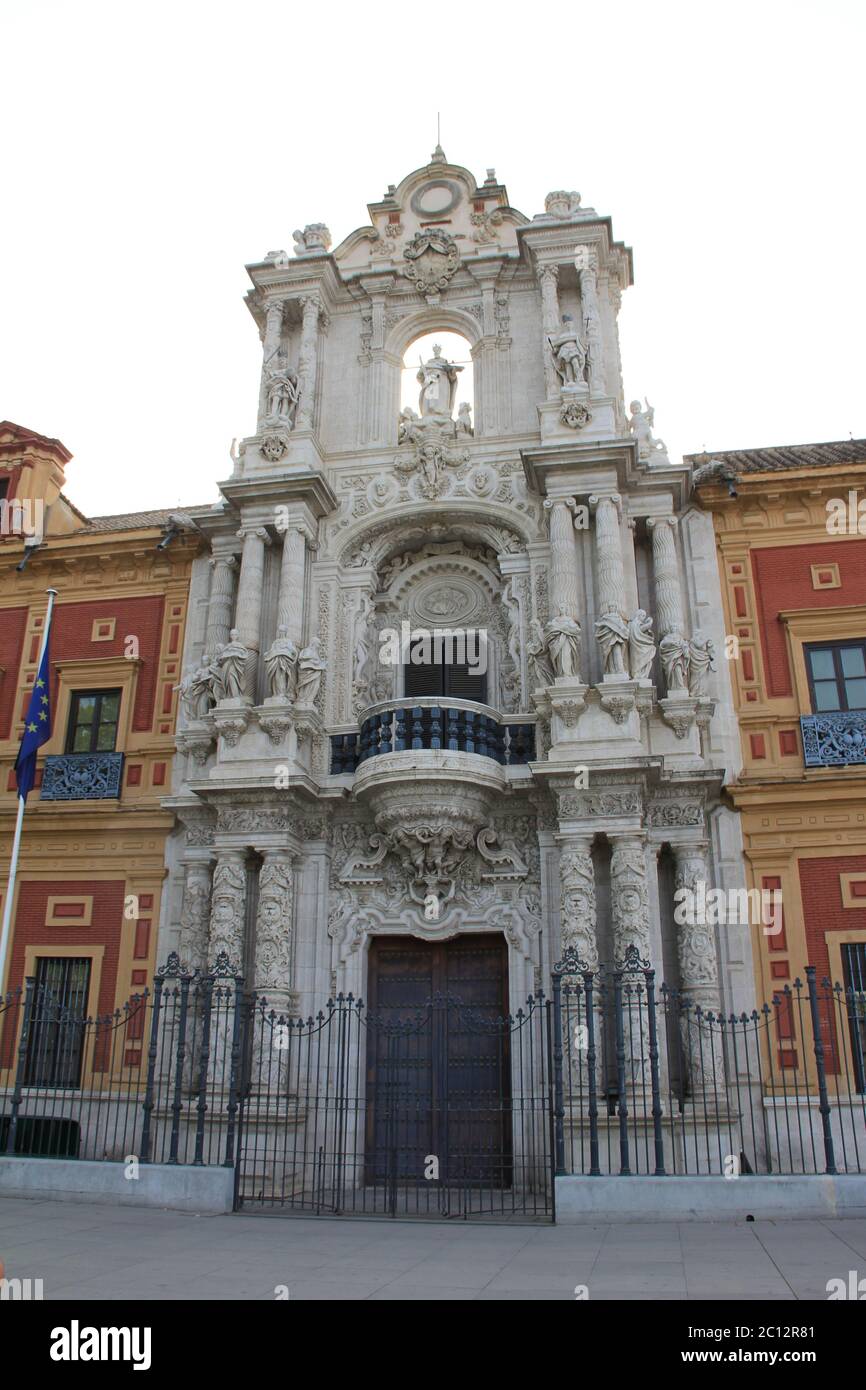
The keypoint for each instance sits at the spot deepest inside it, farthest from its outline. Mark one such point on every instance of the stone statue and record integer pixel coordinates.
(569, 353)
(281, 391)
(464, 418)
(406, 426)
(281, 665)
(438, 381)
(311, 667)
(641, 647)
(701, 663)
(540, 666)
(640, 424)
(562, 639)
(230, 668)
(361, 649)
(313, 240)
(674, 653)
(197, 689)
(612, 635)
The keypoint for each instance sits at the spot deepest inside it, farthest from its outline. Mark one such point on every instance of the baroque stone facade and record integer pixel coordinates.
(322, 798)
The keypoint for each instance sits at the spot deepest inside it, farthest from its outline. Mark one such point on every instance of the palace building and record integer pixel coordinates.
(91, 872)
(443, 446)
(791, 539)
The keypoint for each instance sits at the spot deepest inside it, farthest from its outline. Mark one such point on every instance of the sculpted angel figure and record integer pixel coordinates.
(641, 647)
(641, 425)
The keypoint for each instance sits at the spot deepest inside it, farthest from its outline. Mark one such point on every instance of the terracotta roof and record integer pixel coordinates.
(130, 521)
(785, 456)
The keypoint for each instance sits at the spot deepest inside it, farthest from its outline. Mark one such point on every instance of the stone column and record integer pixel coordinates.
(699, 977)
(270, 346)
(290, 604)
(219, 612)
(548, 276)
(610, 578)
(564, 591)
(228, 906)
(631, 927)
(308, 360)
(275, 929)
(669, 602)
(578, 931)
(249, 605)
(195, 913)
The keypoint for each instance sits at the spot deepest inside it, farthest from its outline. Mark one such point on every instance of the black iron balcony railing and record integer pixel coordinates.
(834, 740)
(82, 776)
(456, 726)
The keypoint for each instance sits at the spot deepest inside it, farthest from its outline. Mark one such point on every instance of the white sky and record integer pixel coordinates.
(148, 155)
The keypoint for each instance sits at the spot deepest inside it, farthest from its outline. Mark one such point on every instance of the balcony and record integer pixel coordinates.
(834, 740)
(460, 726)
(82, 777)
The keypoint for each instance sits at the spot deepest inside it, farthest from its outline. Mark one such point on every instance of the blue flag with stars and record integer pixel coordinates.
(37, 729)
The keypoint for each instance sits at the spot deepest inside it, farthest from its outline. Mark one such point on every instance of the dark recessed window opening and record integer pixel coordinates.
(93, 717)
(837, 675)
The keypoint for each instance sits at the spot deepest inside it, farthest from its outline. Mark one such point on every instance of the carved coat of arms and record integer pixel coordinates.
(431, 258)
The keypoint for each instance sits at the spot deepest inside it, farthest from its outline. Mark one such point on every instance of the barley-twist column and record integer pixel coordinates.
(669, 602)
(308, 360)
(564, 593)
(699, 974)
(290, 603)
(219, 612)
(610, 628)
(548, 276)
(248, 612)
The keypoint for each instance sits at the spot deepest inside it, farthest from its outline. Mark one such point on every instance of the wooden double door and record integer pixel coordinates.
(438, 1062)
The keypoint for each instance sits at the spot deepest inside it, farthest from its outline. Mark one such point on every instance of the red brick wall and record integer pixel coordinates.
(13, 625)
(783, 579)
(142, 617)
(29, 929)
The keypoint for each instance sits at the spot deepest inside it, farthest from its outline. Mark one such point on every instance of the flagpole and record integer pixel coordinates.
(19, 823)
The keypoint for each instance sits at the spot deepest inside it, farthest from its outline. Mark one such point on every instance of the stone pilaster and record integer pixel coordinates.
(548, 277)
(592, 329)
(699, 974)
(577, 899)
(629, 899)
(290, 603)
(219, 612)
(195, 913)
(270, 346)
(228, 907)
(275, 929)
(308, 360)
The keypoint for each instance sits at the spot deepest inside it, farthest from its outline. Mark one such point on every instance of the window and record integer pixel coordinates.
(55, 1045)
(93, 717)
(837, 675)
(443, 678)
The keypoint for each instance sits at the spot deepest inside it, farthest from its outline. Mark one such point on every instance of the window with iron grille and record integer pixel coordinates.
(55, 1043)
(93, 716)
(854, 980)
(837, 675)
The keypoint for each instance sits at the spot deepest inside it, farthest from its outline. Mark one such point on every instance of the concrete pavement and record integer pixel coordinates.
(84, 1251)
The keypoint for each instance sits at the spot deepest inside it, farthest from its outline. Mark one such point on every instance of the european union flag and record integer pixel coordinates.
(37, 729)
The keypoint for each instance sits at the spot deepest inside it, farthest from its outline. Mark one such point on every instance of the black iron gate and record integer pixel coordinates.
(442, 1112)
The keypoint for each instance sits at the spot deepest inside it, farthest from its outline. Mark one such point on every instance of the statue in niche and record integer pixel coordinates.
(230, 668)
(612, 635)
(641, 647)
(540, 664)
(281, 391)
(438, 381)
(361, 645)
(311, 668)
(281, 663)
(569, 353)
(197, 689)
(641, 425)
(674, 653)
(701, 663)
(562, 639)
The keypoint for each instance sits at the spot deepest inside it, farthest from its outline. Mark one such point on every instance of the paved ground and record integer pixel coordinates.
(101, 1252)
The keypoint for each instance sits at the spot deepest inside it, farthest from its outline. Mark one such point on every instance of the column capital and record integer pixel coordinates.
(653, 521)
(230, 561)
(253, 530)
(596, 499)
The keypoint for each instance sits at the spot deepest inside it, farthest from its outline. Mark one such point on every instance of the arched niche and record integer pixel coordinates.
(421, 324)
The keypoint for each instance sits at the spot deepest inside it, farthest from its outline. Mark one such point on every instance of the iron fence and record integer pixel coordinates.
(650, 1080)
